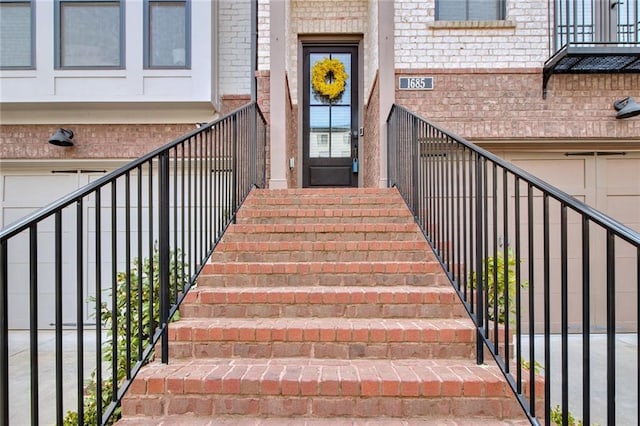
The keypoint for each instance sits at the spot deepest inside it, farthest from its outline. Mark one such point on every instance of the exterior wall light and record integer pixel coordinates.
(626, 107)
(62, 137)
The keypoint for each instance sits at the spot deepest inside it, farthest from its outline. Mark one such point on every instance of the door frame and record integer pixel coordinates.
(329, 41)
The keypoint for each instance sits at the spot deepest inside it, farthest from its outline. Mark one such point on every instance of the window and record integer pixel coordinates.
(470, 10)
(167, 34)
(89, 34)
(16, 34)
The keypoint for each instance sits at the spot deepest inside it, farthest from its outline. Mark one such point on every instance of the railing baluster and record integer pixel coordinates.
(114, 291)
(611, 329)
(98, 304)
(163, 252)
(547, 310)
(33, 321)
(58, 314)
(80, 306)
(4, 333)
(586, 323)
(564, 300)
(531, 276)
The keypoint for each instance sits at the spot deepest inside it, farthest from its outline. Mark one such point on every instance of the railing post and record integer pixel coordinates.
(234, 166)
(163, 247)
(415, 162)
(478, 258)
(4, 335)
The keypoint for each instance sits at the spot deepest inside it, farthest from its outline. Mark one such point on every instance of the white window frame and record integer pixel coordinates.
(58, 35)
(147, 35)
(32, 53)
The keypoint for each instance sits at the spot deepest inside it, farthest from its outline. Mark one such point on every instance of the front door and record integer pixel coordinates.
(330, 116)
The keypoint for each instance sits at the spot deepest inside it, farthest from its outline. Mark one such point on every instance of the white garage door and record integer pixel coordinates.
(23, 192)
(609, 182)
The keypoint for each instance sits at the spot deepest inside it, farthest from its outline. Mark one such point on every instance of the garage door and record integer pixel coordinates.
(23, 192)
(610, 182)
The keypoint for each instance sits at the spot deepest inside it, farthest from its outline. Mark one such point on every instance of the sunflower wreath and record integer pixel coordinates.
(329, 78)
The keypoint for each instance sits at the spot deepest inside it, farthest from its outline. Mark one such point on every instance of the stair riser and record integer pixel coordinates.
(321, 236)
(321, 256)
(325, 407)
(320, 203)
(331, 219)
(255, 310)
(321, 350)
(323, 279)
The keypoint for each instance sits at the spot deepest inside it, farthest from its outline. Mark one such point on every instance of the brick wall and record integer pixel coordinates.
(264, 101)
(308, 17)
(112, 141)
(234, 20)
(518, 41)
(508, 104)
(370, 146)
(264, 27)
(292, 139)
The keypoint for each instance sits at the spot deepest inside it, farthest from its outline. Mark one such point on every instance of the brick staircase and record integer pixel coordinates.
(323, 307)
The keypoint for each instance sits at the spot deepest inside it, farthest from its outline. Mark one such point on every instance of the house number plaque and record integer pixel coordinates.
(416, 83)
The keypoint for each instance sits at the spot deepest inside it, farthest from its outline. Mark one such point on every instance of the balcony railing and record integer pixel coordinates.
(120, 255)
(593, 36)
(535, 268)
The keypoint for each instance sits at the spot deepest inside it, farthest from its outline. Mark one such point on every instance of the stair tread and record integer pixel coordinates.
(328, 323)
(307, 294)
(377, 245)
(191, 420)
(378, 377)
(358, 267)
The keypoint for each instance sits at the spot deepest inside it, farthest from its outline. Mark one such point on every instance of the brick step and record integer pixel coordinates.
(337, 201)
(324, 192)
(329, 215)
(324, 232)
(338, 338)
(322, 251)
(292, 387)
(192, 420)
(322, 302)
(242, 274)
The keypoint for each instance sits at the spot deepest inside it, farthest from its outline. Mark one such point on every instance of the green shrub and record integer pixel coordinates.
(120, 314)
(496, 308)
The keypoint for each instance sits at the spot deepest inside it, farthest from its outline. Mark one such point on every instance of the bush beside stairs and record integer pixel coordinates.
(322, 306)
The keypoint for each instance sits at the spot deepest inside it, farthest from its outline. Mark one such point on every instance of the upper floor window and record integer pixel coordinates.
(167, 34)
(470, 10)
(89, 34)
(16, 34)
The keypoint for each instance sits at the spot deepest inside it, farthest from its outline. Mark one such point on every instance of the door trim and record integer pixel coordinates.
(307, 46)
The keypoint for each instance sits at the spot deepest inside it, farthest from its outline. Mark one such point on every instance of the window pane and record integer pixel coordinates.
(468, 10)
(452, 10)
(15, 35)
(90, 34)
(483, 10)
(167, 34)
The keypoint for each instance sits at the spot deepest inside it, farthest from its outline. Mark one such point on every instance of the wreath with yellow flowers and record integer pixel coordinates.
(329, 78)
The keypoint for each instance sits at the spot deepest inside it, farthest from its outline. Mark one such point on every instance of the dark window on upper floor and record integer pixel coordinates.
(89, 34)
(470, 10)
(167, 34)
(17, 34)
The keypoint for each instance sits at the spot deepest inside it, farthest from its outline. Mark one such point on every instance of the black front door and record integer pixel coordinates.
(330, 116)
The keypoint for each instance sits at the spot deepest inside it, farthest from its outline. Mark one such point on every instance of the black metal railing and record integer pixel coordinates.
(551, 283)
(599, 22)
(119, 255)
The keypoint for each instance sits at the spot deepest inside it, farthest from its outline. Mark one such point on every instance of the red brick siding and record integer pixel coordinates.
(370, 147)
(124, 141)
(292, 139)
(508, 104)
